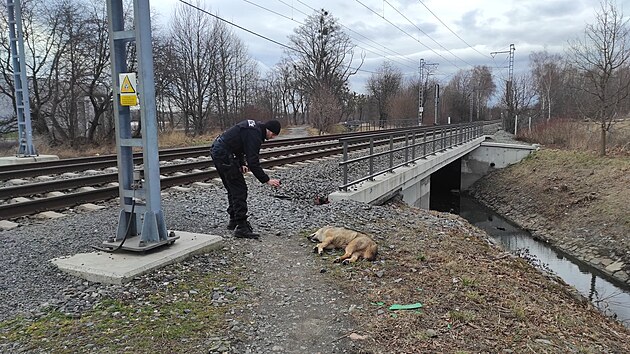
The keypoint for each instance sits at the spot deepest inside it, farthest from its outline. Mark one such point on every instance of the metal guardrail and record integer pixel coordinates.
(409, 146)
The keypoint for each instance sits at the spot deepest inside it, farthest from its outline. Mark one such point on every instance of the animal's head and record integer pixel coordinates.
(317, 236)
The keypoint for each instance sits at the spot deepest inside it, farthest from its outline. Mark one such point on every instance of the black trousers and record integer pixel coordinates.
(233, 181)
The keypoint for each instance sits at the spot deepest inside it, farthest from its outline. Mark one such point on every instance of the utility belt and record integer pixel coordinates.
(222, 153)
(219, 141)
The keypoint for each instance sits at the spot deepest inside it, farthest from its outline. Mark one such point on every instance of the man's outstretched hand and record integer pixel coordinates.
(274, 182)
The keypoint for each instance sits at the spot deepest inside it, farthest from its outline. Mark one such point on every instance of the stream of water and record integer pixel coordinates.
(610, 296)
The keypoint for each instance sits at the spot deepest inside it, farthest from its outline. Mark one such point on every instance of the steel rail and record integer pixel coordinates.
(8, 172)
(15, 210)
(32, 189)
(72, 183)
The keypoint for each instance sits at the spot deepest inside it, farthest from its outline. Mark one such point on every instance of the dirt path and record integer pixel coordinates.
(294, 308)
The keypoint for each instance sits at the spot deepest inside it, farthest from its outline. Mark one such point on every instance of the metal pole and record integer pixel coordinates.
(391, 153)
(421, 93)
(22, 97)
(139, 191)
(406, 147)
(437, 101)
(345, 165)
(371, 158)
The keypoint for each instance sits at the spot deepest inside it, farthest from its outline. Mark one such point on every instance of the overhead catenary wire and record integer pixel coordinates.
(385, 49)
(426, 34)
(453, 32)
(305, 14)
(409, 35)
(235, 25)
(256, 34)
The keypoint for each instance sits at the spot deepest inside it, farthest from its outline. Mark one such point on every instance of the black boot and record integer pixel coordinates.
(244, 230)
(231, 225)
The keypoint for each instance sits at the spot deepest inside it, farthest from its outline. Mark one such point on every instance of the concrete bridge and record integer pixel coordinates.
(455, 167)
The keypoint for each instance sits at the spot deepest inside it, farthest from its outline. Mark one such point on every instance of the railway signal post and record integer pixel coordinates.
(141, 223)
(22, 105)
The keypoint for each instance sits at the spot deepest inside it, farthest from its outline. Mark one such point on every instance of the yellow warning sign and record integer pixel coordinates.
(128, 96)
(128, 100)
(126, 86)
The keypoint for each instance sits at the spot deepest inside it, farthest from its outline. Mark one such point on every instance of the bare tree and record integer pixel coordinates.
(322, 54)
(67, 59)
(483, 87)
(95, 85)
(383, 86)
(404, 105)
(234, 73)
(41, 40)
(547, 72)
(324, 106)
(523, 94)
(600, 57)
(467, 94)
(457, 95)
(194, 51)
(165, 83)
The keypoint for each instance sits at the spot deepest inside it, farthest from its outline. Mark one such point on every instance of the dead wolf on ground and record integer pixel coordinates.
(356, 244)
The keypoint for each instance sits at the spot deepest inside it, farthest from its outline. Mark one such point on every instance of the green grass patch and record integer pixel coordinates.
(461, 316)
(173, 320)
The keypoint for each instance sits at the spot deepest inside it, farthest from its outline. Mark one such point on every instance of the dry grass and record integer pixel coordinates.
(474, 298)
(165, 140)
(579, 135)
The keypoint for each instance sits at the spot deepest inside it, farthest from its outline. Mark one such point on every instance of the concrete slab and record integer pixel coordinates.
(180, 189)
(122, 267)
(6, 225)
(49, 215)
(54, 194)
(13, 160)
(89, 207)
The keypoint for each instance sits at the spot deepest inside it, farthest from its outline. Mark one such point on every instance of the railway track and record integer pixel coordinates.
(181, 166)
(34, 169)
(34, 197)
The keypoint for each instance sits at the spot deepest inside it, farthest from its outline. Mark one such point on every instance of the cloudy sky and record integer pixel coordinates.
(455, 34)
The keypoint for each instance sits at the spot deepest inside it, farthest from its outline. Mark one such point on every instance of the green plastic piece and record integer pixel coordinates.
(417, 305)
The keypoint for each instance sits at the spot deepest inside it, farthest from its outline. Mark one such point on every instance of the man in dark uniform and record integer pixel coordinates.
(234, 153)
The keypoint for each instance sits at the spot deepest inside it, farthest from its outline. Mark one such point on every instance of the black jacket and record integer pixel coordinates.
(244, 141)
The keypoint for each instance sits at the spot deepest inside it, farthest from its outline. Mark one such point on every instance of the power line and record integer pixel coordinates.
(453, 32)
(254, 33)
(428, 36)
(405, 32)
(237, 26)
(273, 12)
(402, 56)
(366, 49)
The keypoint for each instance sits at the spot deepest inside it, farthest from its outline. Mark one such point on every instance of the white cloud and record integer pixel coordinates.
(486, 25)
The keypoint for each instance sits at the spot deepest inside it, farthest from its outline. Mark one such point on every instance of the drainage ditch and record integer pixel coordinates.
(612, 297)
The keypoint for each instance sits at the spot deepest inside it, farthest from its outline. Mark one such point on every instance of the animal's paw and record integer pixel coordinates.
(315, 250)
(345, 262)
(337, 260)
